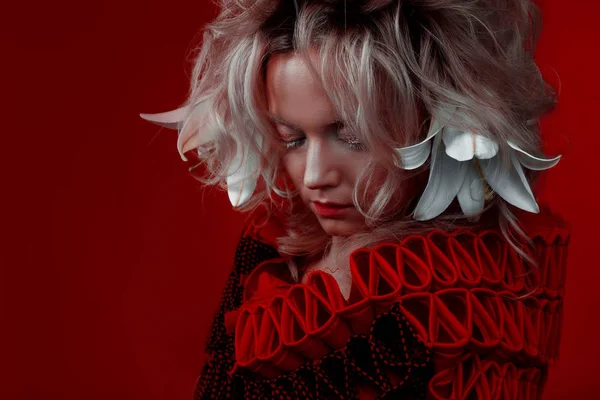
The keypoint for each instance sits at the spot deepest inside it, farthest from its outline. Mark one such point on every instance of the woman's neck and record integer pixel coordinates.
(336, 243)
(327, 263)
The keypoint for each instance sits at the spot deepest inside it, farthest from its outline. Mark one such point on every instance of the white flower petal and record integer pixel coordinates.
(170, 119)
(485, 147)
(193, 136)
(471, 195)
(196, 132)
(446, 176)
(241, 176)
(414, 156)
(532, 162)
(459, 144)
(510, 183)
(463, 146)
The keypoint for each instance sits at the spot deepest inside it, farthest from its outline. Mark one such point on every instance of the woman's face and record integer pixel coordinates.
(322, 158)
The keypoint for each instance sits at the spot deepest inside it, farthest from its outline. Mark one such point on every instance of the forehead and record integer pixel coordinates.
(295, 94)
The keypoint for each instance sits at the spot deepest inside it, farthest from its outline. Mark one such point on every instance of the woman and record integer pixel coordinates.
(395, 247)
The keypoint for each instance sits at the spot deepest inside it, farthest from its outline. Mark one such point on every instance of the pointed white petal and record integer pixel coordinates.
(485, 147)
(170, 119)
(196, 132)
(532, 162)
(459, 144)
(414, 156)
(446, 176)
(188, 140)
(510, 183)
(471, 195)
(241, 179)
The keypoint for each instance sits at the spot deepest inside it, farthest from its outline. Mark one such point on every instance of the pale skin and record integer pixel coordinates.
(322, 158)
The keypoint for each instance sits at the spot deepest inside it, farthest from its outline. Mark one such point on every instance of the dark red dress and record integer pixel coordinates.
(456, 315)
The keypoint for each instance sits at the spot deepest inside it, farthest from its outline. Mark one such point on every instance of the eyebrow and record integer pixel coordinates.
(281, 121)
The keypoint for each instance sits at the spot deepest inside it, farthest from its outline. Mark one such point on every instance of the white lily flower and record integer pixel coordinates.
(241, 174)
(460, 162)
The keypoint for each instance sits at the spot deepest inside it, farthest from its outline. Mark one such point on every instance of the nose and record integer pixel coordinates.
(320, 171)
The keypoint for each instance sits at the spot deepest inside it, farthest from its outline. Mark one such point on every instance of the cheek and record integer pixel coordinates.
(353, 164)
(371, 185)
(374, 182)
(293, 164)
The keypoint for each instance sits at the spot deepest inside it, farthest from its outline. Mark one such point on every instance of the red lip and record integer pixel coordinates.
(330, 209)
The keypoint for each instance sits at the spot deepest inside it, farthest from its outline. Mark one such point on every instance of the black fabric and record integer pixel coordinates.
(390, 360)
(367, 361)
(214, 382)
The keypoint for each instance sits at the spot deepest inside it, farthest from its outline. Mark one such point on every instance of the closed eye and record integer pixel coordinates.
(292, 137)
(354, 145)
(290, 144)
(349, 140)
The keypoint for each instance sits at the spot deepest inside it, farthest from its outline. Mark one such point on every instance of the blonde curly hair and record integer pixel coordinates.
(386, 65)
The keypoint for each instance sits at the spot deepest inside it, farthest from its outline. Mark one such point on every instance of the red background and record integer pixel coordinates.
(114, 257)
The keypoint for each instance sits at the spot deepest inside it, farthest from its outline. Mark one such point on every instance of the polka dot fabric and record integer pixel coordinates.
(445, 315)
(387, 362)
(214, 382)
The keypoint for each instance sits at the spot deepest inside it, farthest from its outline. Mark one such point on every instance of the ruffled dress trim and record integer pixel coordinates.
(475, 377)
(387, 362)
(460, 292)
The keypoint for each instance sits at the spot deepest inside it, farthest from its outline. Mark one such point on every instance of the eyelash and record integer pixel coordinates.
(292, 143)
(298, 142)
(354, 145)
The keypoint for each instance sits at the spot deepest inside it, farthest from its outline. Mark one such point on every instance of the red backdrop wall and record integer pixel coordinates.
(113, 257)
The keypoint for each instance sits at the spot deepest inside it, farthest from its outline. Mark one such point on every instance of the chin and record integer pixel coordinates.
(339, 227)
